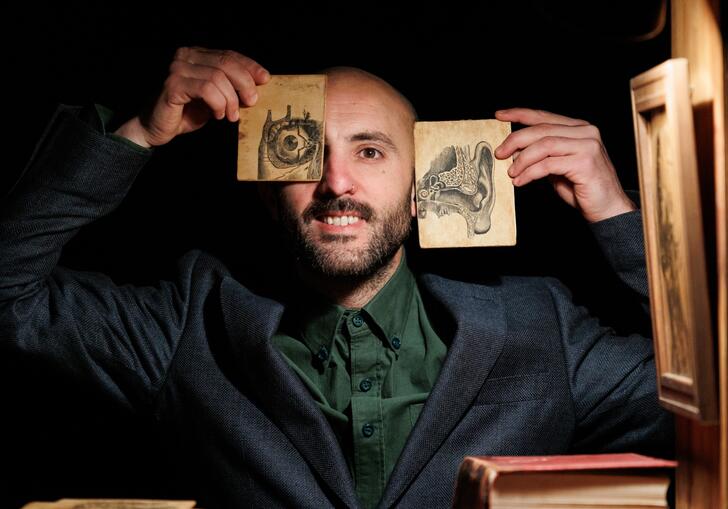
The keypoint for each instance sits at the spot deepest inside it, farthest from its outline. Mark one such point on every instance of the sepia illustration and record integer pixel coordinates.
(457, 183)
(674, 244)
(280, 138)
(289, 146)
(671, 259)
(464, 195)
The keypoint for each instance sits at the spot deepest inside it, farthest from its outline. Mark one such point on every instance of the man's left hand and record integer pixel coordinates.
(571, 153)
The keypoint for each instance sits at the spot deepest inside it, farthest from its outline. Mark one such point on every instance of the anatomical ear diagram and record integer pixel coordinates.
(461, 184)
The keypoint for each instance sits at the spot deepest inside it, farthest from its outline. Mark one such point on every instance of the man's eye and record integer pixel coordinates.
(371, 153)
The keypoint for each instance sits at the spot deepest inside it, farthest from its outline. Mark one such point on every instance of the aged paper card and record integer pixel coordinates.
(464, 194)
(282, 137)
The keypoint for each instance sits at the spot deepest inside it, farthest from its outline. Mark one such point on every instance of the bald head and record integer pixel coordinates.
(359, 78)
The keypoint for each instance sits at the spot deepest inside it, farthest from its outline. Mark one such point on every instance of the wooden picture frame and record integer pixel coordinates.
(673, 227)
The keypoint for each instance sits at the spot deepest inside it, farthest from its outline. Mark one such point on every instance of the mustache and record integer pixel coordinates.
(319, 208)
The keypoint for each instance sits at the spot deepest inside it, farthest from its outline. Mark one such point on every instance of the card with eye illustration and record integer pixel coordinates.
(464, 194)
(281, 137)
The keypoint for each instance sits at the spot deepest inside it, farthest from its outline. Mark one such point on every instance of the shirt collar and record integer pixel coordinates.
(386, 314)
(389, 308)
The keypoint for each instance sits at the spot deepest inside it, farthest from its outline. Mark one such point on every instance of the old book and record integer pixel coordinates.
(111, 503)
(626, 481)
(281, 137)
(464, 194)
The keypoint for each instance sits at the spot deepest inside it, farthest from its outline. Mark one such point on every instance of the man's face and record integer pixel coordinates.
(356, 218)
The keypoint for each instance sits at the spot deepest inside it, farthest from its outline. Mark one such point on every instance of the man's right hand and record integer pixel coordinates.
(202, 83)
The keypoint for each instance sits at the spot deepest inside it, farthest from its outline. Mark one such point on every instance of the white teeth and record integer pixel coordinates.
(341, 220)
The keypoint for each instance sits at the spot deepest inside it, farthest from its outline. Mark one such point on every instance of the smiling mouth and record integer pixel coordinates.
(342, 213)
(339, 220)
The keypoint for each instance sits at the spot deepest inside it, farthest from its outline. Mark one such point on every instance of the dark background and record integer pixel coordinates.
(455, 60)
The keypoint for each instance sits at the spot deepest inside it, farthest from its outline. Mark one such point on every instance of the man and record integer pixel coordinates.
(368, 387)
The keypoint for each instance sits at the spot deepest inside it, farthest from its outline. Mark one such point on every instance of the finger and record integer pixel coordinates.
(588, 152)
(225, 58)
(563, 188)
(546, 147)
(182, 90)
(243, 83)
(243, 72)
(560, 165)
(237, 73)
(527, 116)
(523, 138)
(218, 77)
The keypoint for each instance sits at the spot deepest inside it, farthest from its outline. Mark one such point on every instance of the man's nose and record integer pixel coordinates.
(338, 178)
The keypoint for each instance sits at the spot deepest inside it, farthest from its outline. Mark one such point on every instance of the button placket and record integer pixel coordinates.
(367, 429)
(367, 419)
(357, 320)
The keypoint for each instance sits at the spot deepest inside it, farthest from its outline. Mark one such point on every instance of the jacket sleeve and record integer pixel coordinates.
(120, 337)
(621, 239)
(612, 378)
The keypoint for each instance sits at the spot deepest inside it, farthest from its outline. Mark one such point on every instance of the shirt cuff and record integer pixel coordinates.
(104, 119)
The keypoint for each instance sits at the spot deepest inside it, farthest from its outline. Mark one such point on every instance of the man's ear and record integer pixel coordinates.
(268, 195)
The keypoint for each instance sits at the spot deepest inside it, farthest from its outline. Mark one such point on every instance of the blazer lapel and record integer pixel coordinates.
(250, 321)
(479, 332)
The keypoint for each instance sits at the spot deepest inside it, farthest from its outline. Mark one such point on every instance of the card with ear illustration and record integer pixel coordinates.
(281, 137)
(464, 195)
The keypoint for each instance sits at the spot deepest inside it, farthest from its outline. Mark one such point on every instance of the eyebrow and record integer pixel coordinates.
(374, 136)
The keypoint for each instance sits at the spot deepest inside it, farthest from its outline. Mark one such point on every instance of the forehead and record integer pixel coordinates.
(355, 104)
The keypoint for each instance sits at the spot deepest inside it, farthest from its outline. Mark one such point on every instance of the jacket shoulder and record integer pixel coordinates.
(506, 286)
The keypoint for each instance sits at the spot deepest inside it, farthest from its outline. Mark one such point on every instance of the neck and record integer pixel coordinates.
(351, 292)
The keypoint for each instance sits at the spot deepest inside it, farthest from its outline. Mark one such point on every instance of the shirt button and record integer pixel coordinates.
(323, 353)
(396, 343)
(365, 385)
(358, 321)
(367, 430)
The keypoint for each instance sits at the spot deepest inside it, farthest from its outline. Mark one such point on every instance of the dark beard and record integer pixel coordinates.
(330, 257)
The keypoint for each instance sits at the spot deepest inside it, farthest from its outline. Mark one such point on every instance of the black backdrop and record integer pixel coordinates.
(455, 60)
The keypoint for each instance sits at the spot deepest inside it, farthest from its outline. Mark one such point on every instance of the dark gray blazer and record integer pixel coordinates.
(527, 371)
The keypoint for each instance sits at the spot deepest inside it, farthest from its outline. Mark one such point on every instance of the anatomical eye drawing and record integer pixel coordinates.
(281, 137)
(290, 145)
(461, 183)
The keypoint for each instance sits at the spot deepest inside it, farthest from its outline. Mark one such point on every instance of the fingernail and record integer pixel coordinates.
(236, 115)
(253, 97)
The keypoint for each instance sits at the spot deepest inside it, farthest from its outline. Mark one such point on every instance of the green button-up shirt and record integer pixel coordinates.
(370, 371)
